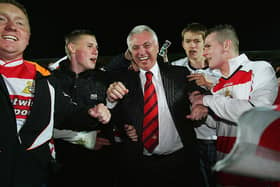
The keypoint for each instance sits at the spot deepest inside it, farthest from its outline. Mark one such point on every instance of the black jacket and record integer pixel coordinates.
(85, 89)
(25, 157)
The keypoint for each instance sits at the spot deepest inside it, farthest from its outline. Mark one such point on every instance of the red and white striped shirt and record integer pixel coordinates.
(19, 79)
(249, 84)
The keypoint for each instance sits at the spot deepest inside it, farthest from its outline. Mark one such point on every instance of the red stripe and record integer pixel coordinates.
(240, 77)
(21, 105)
(22, 71)
(149, 128)
(22, 102)
(148, 92)
(151, 114)
(270, 138)
(227, 179)
(225, 143)
(149, 103)
(150, 143)
(277, 100)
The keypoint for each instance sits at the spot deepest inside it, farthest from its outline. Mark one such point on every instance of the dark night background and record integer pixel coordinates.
(257, 26)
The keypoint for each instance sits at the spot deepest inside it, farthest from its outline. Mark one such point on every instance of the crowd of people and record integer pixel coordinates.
(138, 120)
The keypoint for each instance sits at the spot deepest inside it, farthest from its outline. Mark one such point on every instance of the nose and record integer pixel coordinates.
(10, 26)
(192, 44)
(95, 51)
(141, 50)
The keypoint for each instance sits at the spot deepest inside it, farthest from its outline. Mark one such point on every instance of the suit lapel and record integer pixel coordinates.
(140, 100)
(3, 87)
(8, 114)
(168, 85)
(41, 104)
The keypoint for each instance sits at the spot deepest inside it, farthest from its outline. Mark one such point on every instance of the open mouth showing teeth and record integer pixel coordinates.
(13, 38)
(143, 58)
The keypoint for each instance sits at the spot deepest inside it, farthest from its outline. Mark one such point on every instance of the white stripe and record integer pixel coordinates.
(17, 85)
(55, 65)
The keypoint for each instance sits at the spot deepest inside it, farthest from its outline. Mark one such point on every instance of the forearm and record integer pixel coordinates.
(226, 107)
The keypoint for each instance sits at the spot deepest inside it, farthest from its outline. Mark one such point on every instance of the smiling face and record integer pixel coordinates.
(14, 32)
(144, 50)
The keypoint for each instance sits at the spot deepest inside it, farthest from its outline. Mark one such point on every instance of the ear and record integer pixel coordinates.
(227, 45)
(71, 47)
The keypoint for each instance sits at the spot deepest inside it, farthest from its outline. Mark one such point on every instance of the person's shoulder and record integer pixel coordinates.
(117, 63)
(260, 68)
(98, 72)
(170, 67)
(262, 63)
(180, 61)
(118, 75)
(247, 62)
(96, 75)
(176, 72)
(128, 74)
(258, 64)
(42, 70)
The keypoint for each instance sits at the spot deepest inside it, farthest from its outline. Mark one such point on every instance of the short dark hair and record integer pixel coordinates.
(196, 28)
(77, 33)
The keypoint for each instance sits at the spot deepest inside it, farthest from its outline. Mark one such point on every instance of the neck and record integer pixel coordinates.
(5, 60)
(225, 69)
(75, 68)
(198, 63)
(9, 58)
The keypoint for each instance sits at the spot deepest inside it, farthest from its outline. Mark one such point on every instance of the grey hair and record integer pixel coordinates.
(139, 29)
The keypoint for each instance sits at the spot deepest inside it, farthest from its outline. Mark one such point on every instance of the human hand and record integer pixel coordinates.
(199, 79)
(165, 57)
(100, 142)
(116, 91)
(196, 98)
(131, 132)
(198, 112)
(101, 112)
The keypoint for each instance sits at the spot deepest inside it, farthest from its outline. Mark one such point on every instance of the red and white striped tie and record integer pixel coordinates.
(150, 134)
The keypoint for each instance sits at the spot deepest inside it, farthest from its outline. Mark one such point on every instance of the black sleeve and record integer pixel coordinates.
(67, 115)
(118, 63)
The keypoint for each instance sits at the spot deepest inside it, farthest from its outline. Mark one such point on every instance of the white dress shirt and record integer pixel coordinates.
(169, 139)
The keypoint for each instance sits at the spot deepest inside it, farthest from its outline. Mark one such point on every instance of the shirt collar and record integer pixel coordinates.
(236, 62)
(11, 63)
(154, 70)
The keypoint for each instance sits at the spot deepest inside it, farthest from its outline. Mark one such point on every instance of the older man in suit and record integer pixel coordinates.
(161, 143)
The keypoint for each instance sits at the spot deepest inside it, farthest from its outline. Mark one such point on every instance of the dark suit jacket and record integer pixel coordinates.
(129, 110)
